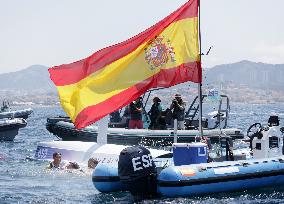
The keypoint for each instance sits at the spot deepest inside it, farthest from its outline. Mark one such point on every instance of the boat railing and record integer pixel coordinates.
(191, 115)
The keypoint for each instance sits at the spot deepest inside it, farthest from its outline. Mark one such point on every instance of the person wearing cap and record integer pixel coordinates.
(155, 113)
(135, 110)
(178, 108)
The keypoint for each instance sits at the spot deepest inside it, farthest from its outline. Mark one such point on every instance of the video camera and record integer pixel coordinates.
(174, 101)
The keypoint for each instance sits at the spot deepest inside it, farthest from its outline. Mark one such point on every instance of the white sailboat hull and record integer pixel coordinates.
(81, 152)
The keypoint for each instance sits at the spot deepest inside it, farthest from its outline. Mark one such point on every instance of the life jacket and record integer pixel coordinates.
(52, 166)
(134, 113)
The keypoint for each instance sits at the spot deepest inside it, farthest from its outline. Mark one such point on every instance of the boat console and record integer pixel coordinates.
(267, 141)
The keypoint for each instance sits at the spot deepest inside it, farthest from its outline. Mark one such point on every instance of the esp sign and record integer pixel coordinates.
(144, 161)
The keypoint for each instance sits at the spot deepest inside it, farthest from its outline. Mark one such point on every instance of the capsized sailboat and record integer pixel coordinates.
(81, 152)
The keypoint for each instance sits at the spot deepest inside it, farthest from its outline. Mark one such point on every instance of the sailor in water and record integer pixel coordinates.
(92, 163)
(58, 164)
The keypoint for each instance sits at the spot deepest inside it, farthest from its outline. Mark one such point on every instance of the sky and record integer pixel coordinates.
(55, 32)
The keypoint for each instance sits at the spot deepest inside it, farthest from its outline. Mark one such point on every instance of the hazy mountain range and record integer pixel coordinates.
(245, 73)
(250, 74)
(32, 79)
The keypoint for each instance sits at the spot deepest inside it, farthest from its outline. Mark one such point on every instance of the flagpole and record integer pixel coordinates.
(200, 84)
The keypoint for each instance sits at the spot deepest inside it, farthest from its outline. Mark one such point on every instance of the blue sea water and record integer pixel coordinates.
(26, 181)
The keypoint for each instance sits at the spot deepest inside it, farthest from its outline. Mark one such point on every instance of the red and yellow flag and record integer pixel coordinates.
(164, 55)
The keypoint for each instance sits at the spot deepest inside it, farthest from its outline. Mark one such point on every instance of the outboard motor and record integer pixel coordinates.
(138, 172)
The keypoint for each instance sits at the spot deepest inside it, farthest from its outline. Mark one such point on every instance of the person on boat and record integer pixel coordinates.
(135, 110)
(115, 117)
(178, 108)
(5, 106)
(162, 120)
(155, 113)
(125, 117)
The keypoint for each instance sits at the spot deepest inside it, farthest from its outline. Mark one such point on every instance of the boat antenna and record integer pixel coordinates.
(209, 50)
(207, 53)
(200, 84)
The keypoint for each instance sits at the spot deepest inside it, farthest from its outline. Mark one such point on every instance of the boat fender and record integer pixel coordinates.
(105, 178)
(138, 172)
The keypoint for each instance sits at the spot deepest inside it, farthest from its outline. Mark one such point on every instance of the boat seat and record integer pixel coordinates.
(273, 121)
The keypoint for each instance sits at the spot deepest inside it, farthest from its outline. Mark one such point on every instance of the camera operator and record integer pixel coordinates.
(155, 113)
(135, 109)
(178, 107)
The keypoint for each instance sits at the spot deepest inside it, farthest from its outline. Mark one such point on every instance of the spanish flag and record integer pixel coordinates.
(164, 55)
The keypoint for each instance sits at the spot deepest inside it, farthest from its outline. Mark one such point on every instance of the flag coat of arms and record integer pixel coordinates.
(164, 55)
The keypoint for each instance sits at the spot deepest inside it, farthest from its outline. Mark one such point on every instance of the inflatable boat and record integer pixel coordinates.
(23, 113)
(214, 124)
(9, 128)
(6, 112)
(192, 172)
(67, 132)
